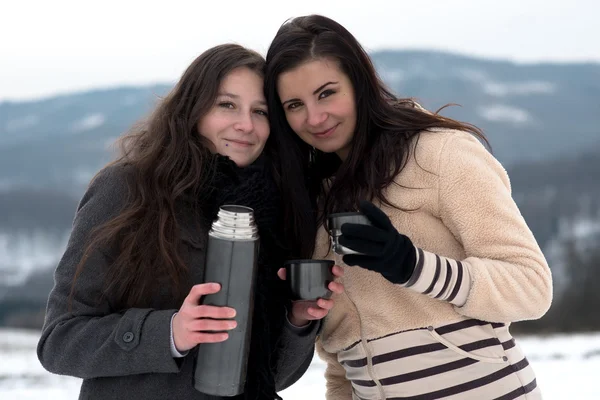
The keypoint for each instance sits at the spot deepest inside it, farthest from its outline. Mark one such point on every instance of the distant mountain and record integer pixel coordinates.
(62, 141)
(528, 111)
(543, 122)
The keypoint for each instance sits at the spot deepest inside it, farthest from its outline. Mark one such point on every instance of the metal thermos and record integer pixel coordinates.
(335, 222)
(231, 260)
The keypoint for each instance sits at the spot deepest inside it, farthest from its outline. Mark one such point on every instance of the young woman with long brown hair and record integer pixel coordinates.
(125, 311)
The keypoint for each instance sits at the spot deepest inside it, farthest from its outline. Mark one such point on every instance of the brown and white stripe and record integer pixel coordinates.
(440, 278)
(466, 360)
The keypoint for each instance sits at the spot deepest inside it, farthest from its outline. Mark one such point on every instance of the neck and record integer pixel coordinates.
(343, 153)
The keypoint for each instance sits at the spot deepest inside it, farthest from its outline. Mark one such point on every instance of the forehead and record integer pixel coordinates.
(310, 75)
(242, 79)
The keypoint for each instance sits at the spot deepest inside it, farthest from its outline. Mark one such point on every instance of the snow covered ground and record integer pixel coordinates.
(566, 368)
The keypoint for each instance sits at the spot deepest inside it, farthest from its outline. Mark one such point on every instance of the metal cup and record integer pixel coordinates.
(308, 279)
(335, 222)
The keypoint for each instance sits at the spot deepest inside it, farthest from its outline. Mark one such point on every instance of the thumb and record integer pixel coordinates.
(281, 274)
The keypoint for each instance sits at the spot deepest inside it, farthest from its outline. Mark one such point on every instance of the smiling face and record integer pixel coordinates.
(237, 125)
(319, 104)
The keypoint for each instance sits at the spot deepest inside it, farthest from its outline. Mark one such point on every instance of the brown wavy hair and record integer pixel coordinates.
(169, 161)
(385, 123)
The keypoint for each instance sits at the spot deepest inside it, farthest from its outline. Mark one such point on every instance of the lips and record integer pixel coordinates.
(326, 133)
(239, 142)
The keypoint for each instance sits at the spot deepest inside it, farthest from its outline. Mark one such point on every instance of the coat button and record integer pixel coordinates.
(504, 358)
(128, 337)
(430, 328)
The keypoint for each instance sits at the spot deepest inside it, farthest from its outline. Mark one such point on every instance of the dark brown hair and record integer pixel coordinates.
(385, 124)
(169, 161)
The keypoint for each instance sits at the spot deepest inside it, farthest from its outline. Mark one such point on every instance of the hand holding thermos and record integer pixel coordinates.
(193, 324)
(378, 246)
(308, 276)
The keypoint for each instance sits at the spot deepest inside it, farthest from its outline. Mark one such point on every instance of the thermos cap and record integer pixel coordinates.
(235, 223)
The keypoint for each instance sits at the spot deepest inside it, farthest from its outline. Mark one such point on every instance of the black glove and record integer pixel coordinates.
(383, 249)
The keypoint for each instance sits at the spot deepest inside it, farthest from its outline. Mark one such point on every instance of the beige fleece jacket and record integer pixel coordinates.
(458, 205)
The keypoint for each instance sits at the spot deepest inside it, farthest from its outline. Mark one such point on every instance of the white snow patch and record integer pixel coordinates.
(505, 113)
(566, 367)
(88, 122)
(471, 74)
(500, 89)
(22, 253)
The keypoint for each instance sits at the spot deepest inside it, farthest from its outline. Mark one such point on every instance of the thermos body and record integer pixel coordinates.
(231, 260)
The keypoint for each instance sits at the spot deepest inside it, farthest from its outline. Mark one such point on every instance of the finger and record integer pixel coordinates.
(365, 232)
(203, 337)
(281, 274)
(375, 215)
(212, 312)
(211, 325)
(336, 287)
(317, 313)
(362, 245)
(337, 271)
(325, 304)
(200, 290)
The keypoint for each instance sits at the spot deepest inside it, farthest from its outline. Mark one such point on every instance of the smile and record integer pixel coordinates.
(243, 143)
(326, 133)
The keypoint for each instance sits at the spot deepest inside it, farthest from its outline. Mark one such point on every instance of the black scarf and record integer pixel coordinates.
(254, 187)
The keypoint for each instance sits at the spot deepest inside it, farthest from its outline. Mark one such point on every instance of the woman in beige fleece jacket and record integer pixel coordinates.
(448, 262)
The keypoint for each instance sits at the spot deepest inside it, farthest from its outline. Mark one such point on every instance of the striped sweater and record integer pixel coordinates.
(444, 334)
(440, 278)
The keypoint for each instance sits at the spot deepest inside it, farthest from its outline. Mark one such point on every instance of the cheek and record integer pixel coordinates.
(209, 127)
(295, 121)
(348, 109)
(263, 133)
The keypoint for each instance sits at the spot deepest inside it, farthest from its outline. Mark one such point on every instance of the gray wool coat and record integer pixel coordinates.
(127, 355)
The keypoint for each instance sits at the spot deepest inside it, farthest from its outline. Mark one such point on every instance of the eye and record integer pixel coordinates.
(262, 112)
(293, 106)
(226, 104)
(326, 93)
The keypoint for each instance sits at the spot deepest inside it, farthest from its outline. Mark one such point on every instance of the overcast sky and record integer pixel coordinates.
(56, 46)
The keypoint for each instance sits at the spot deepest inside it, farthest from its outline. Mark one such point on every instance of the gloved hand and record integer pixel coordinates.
(383, 249)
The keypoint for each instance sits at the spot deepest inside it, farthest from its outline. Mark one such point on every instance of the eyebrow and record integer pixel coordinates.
(317, 90)
(227, 94)
(235, 96)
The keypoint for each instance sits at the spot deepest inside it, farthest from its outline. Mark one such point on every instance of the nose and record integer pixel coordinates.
(244, 123)
(316, 116)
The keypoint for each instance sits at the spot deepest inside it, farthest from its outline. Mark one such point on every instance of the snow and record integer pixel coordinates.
(505, 113)
(565, 365)
(501, 89)
(22, 253)
(88, 122)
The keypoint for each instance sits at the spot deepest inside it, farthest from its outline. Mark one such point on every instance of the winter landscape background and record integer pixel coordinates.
(543, 121)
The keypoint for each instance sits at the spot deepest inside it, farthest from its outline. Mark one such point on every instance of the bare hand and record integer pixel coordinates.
(304, 311)
(191, 323)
